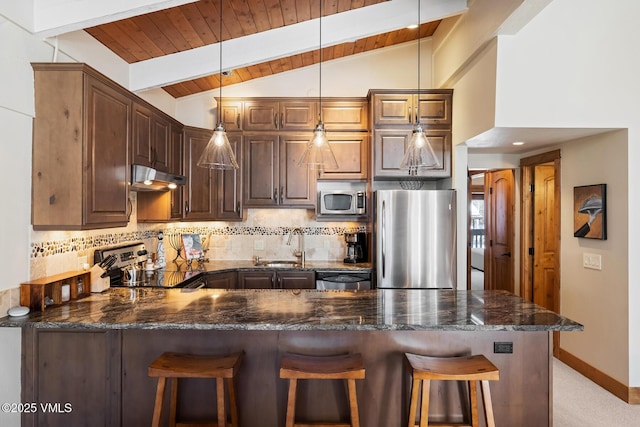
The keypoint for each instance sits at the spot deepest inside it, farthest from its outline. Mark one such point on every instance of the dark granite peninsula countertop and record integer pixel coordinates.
(214, 309)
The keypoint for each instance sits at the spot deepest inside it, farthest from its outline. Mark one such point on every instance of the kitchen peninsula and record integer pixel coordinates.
(94, 352)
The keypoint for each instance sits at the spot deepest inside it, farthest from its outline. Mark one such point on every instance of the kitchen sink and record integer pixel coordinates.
(279, 264)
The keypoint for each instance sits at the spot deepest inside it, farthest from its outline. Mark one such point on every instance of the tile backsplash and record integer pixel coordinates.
(265, 234)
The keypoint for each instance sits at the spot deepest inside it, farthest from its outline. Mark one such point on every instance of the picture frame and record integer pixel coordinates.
(590, 211)
(192, 246)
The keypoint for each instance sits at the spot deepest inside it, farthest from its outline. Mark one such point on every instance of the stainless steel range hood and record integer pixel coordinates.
(144, 178)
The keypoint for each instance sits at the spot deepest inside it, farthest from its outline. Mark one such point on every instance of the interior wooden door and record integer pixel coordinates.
(499, 211)
(545, 238)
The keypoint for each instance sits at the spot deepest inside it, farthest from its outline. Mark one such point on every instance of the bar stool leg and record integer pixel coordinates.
(222, 416)
(473, 396)
(486, 400)
(353, 403)
(157, 408)
(291, 402)
(413, 405)
(233, 406)
(424, 410)
(173, 401)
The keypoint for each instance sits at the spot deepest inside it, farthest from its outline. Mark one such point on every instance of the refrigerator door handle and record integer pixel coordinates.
(383, 237)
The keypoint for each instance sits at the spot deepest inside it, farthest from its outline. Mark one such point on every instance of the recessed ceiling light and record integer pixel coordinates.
(412, 27)
(517, 143)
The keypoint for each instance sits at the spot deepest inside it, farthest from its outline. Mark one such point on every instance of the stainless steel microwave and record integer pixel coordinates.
(342, 202)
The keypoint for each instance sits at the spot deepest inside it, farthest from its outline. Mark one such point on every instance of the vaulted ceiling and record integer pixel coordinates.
(175, 44)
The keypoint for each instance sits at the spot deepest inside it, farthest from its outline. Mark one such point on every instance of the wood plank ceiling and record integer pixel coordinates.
(197, 24)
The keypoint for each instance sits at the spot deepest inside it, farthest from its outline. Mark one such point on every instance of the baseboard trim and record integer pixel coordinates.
(630, 395)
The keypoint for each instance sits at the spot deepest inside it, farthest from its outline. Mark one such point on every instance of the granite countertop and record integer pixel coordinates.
(202, 309)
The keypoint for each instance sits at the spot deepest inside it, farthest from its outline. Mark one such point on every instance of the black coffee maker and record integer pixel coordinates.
(356, 247)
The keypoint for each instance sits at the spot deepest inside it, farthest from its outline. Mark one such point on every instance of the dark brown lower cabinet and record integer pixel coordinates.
(224, 280)
(296, 279)
(256, 279)
(73, 377)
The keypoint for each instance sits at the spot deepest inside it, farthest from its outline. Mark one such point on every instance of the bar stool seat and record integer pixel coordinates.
(348, 367)
(467, 368)
(180, 365)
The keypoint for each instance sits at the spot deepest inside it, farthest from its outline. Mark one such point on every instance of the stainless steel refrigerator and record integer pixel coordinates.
(415, 238)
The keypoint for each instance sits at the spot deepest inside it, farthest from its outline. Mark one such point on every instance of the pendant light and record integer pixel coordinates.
(419, 154)
(218, 153)
(318, 154)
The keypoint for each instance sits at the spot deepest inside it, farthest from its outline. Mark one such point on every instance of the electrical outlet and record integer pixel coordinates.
(592, 261)
(258, 245)
(503, 347)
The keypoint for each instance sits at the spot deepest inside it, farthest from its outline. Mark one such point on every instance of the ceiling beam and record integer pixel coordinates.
(55, 17)
(289, 40)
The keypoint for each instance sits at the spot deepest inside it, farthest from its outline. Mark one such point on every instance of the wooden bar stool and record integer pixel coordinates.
(467, 368)
(347, 367)
(177, 365)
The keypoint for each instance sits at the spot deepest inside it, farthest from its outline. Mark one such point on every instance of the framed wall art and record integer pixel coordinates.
(590, 211)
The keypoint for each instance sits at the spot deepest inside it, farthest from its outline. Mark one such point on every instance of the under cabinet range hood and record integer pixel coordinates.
(144, 178)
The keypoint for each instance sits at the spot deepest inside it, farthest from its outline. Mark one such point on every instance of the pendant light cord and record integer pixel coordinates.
(220, 75)
(418, 114)
(320, 66)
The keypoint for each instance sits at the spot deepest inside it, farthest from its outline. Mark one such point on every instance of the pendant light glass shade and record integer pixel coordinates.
(218, 153)
(419, 153)
(319, 153)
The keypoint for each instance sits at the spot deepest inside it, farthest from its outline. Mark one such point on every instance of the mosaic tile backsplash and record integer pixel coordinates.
(265, 233)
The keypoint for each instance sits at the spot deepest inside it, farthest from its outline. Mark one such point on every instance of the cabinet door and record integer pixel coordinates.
(176, 166)
(229, 185)
(161, 131)
(351, 151)
(297, 115)
(261, 115)
(231, 115)
(389, 147)
(297, 183)
(200, 192)
(260, 170)
(107, 175)
(345, 115)
(225, 280)
(295, 279)
(141, 143)
(434, 108)
(392, 109)
(256, 279)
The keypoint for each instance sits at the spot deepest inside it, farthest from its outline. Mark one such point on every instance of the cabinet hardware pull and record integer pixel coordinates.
(186, 208)
(275, 194)
(275, 120)
(238, 208)
(281, 120)
(238, 121)
(129, 209)
(281, 194)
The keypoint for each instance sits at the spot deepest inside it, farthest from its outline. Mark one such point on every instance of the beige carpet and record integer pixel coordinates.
(579, 402)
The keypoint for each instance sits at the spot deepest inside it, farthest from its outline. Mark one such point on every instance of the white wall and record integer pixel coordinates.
(389, 68)
(597, 299)
(559, 72)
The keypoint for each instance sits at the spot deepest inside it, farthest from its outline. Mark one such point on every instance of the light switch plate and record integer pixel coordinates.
(592, 261)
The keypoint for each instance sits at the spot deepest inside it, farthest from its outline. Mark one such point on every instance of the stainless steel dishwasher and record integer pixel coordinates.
(343, 280)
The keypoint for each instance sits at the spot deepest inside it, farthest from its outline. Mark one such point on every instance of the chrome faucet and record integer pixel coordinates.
(300, 253)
